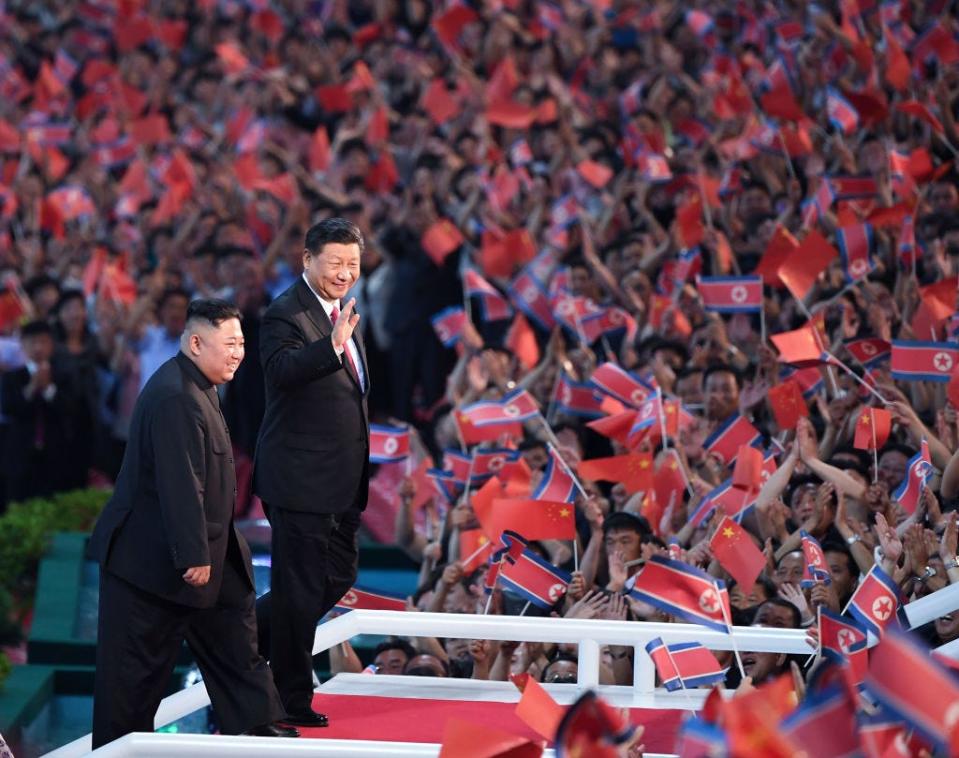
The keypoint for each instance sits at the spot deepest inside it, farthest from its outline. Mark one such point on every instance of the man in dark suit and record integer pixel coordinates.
(172, 565)
(312, 457)
(42, 406)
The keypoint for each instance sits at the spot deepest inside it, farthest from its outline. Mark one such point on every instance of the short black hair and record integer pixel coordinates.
(211, 311)
(36, 283)
(36, 329)
(338, 230)
(723, 368)
(395, 644)
(781, 603)
(172, 292)
(70, 294)
(624, 520)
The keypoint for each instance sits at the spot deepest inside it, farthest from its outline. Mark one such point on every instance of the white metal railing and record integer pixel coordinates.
(588, 635)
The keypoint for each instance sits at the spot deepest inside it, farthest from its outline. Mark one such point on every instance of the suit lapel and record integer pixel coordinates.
(316, 314)
(314, 310)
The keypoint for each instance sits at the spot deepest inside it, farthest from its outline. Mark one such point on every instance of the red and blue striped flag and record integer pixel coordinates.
(556, 486)
(388, 444)
(518, 405)
(529, 295)
(726, 440)
(495, 307)
(840, 112)
(815, 570)
(856, 244)
(914, 360)
(359, 599)
(875, 601)
(731, 294)
(448, 325)
(684, 591)
(918, 473)
(577, 398)
(534, 579)
(621, 384)
(684, 665)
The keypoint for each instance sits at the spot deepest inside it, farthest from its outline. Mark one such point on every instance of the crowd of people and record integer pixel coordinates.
(546, 191)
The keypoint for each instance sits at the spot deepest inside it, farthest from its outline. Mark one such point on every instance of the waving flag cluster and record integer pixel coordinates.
(518, 405)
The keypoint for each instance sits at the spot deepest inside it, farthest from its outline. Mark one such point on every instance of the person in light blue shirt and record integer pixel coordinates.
(161, 341)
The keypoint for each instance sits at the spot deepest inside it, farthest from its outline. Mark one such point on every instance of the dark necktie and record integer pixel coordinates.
(351, 367)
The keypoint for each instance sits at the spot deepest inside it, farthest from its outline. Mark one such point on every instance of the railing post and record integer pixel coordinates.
(587, 664)
(644, 672)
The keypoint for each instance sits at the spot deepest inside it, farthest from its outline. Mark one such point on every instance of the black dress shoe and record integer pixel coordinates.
(273, 730)
(307, 718)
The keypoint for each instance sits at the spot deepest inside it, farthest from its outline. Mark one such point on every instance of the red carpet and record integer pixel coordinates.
(408, 720)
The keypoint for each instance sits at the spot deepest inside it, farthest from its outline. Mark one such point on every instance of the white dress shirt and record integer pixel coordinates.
(328, 306)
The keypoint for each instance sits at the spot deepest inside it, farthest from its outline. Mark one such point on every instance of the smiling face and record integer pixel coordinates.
(334, 269)
(218, 350)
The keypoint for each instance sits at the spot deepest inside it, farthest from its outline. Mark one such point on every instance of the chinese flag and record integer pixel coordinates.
(689, 222)
(150, 130)
(378, 129)
(534, 519)
(751, 721)
(494, 255)
(780, 245)
(362, 78)
(920, 111)
(383, 175)
(616, 427)
(232, 58)
(335, 98)
(802, 267)
(634, 470)
(898, 70)
(424, 488)
(737, 553)
(872, 429)
(781, 103)
(441, 239)
(521, 341)
(787, 404)
(449, 24)
(510, 114)
(536, 708)
(11, 309)
(669, 482)
(800, 347)
(471, 553)
(595, 173)
(320, 150)
(439, 102)
(464, 739)
(748, 471)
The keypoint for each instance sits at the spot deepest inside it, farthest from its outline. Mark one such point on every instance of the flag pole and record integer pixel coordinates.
(875, 452)
(762, 322)
(489, 602)
(552, 395)
(855, 376)
(465, 561)
(525, 608)
(553, 447)
(813, 657)
(662, 417)
(729, 626)
(682, 684)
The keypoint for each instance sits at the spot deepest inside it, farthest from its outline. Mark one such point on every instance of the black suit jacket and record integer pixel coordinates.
(313, 451)
(172, 507)
(58, 417)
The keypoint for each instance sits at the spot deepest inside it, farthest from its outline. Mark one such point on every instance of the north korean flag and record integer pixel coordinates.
(557, 485)
(824, 724)
(879, 731)
(577, 398)
(697, 737)
(853, 187)
(570, 311)
(530, 297)
(607, 322)
(716, 498)
(564, 212)
(838, 636)
(534, 579)
(869, 351)
(494, 306)
(448, 325)
(360, 599)
(809, 379)
(914, 360)
(905, 680)
(856, 244)
(388, 444)
(518, 405)
(445, 483)
(684, 665)
(918, 474)
(621, 384)
(682, 590)
(907, 241)
(840, 112)
(875, 601)
(647, 424)
(816, 570)
(654, 167)
(731, 434)
(457, 464)
(490, 462)
(731, 294)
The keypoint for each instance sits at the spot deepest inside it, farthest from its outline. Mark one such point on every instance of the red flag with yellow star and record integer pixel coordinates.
(634, 470)
(748, 471)
(474, 549)
(787, 404)
(534, 519)
(752, 720)
(872, 429)
(737, 553)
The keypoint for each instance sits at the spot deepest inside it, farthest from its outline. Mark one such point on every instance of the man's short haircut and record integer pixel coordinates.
(211, 311)
(332, 230)
(36, 329)
(780, 603)
(626, 521)
(172, 292)
(723, 368)
(397, 644)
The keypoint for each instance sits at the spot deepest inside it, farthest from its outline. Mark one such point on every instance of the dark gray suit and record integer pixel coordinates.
(312, 473)
(172, 509)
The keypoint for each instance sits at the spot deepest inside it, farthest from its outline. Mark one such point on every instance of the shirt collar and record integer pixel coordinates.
(328, 305)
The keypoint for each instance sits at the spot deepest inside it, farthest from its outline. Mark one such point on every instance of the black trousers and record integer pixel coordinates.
(314, 563)
(139, 637)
